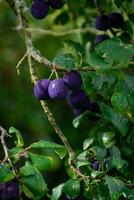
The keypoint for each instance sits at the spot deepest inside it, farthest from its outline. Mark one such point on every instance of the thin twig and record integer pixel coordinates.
(20, 62)
(5, 148)
(129, 185)
(59, 34)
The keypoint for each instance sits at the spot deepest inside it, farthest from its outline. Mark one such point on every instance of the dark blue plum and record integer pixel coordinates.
(102, 22)
(73, 79)
(39, 9)
(41, 89)
(56, 4)
(9, 190)
(96, 165)
(101, 38)
(77, 99)
(116, 20)
(58, 89)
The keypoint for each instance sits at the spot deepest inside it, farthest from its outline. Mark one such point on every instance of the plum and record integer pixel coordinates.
(39, 9)
(58, 89)
(56, 4)
(95, 165)
(102, 22)
(77, 99)
(41, 89)
(116, 20)
(9, 190)
(73, 79)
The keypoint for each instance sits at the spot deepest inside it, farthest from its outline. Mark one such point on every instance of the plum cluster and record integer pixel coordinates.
(40, 8)
(68, 87)
(9, 190)
(104, 22)
(96, 164)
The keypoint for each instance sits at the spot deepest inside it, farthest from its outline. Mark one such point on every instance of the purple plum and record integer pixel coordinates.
(102, 22)
(39, 9)
(116, 20)
(9, 190)
(41, 89)
(58, 89)
(73, 79)
(77, 99)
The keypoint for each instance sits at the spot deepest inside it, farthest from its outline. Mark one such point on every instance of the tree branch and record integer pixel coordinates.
(32, 53)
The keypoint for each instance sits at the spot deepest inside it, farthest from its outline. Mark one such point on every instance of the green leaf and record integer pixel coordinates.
(76, 46)
(129, 80)
(121, 123)
(33, 180)
(15, 153)
(87, 79)
(97, 81)
(97, 62)
(77, 120)
(99, 152)
(102, 192)
(27, 192)
(115, 187)
(87, 142)
(95, 174)
(66, 61)
(41, 162)
(6, 174)
(18, 135)
(129, 192)
(115, 52)
(57, 192)
(107, 139)
(123, 98)
(82, 163)
(59, 149)
(82, 156)
(72, 188)
(116, 160)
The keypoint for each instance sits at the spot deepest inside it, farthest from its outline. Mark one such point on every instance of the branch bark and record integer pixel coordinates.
(32, 53)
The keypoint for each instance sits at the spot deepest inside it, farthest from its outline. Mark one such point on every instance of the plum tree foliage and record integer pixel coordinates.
(93, 72)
